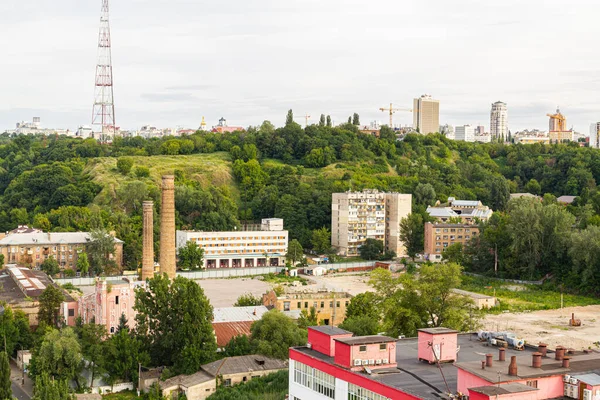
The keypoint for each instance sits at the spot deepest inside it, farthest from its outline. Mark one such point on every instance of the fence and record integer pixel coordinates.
(356, 264)
(118, 387)
(521, 282)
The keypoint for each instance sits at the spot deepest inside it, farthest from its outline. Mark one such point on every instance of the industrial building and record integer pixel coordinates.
(440, 236)
(426, 114)
(370, 214)
(330, 306)
(499, 121)
(468, 211)
(265, 246)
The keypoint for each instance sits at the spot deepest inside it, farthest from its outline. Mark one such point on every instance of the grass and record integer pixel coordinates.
(279, 279)
(125, 395)
(519, 298)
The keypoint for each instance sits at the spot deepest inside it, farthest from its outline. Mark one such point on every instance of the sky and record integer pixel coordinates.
(175, 61)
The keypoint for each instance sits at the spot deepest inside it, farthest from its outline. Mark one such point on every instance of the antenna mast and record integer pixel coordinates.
(103, 112)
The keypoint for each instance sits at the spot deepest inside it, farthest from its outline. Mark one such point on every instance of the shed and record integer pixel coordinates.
(315, 271)
(437, 344)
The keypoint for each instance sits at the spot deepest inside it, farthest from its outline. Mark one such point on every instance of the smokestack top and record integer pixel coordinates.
(168, 178)
(488, 360)
(512, 368)
(501, 354)
(536, 360)
(566, 362)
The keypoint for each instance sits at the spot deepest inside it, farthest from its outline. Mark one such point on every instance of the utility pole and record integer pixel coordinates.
(139, 378)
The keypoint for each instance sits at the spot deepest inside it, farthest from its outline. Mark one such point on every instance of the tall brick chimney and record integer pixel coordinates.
(167, 226)
(148, 240)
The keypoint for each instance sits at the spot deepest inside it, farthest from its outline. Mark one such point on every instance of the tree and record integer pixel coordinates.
(499, 193)
(238, 346)
(412, 234)
(355, 119)
(366, 303)
(50, 266)
(14, 330)
(5, 383)
(322, 120)
(247, 300)
(142, 171)
(329, 120)
(101, 251)
(371, 249)
(154, 392)
(124, 165)
(47, 388)
(191, 256)
(453, 253)
(83, 265)
(321, 240)
(50, 300)
(425, 194)
(182, 339)
(275, 333)
(363, 325)
(533, 187)
(289, 118)
(123, 353)
(93, 347)
(59, 355)
(295, 251)
(308, 318)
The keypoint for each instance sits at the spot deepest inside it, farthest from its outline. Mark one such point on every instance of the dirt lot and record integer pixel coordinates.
(551, 326)
(351, 283)
(224, 292)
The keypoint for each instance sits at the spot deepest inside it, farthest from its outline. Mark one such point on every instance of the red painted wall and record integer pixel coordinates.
(351, 377)
(343, 354)
(322, 342)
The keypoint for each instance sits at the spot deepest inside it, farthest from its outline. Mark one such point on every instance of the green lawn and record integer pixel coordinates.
(125, 395)
(516, 298)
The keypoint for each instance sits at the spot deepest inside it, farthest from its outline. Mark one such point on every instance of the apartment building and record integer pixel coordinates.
(330, 306)
(258, 247)
(426, 114)
(468, 211)
(499, 121)
(30, 247)
(595, 135)
(439, 236)
(465, 133)
(370, 214)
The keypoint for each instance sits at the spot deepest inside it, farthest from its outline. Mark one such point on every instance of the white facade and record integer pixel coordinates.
(483, 138)
(448, 131)
(595, 135)
(465, 133)
(240, 249)
(499, 121)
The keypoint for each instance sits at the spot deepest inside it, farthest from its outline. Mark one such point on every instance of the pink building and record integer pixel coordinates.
(437, 344)
(110, 300)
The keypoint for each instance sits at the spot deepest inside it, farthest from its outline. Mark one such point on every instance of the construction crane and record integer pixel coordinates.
(558, 122)
(392, 110)
(306, 118)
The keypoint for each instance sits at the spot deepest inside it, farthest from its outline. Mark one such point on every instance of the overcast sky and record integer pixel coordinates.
(178, 60)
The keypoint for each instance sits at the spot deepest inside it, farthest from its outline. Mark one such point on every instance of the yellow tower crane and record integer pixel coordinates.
(392, 110)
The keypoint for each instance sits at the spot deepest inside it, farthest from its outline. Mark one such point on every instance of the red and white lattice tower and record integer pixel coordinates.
(104, 107)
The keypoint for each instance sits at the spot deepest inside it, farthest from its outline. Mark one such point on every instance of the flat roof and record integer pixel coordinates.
(505, 388)
(437, 331)
(353, 341)
(590, 379)
(47, 238)
(330, 330)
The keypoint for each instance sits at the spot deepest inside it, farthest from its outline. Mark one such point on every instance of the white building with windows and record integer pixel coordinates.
(595, 135)
(465, 133)
(261, 246)
(499, 121)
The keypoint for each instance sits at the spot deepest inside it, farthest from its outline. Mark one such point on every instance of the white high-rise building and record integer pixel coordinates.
(426, 114)
(595, 135)
(499, 121)
(465, 133)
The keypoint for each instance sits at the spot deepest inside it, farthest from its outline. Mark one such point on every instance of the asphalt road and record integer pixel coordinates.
(18, 392)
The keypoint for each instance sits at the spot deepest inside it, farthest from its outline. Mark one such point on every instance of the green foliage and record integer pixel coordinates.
(142, 171)
(50, 266)
(191, 256)
(50, 301)
(101, 251)
(248, 299)
(83, 265)
(425, 194)
(364, 304)
(321, 240)
(182, 339)
(454, 253)
(275, 333)
(154, 392)
(372, 249)
(92, 337)
(124, 165)
(14, 327)
(270, 387)
(295, 251)
(123, 353)
(308, 318)
(362, 325)
(412, 234)
(47, 388)
(5, 382)
(238, 346)
(59, 355)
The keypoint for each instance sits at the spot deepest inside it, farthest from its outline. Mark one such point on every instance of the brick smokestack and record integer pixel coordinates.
(148, 240)
(167, 227)
(512, 368)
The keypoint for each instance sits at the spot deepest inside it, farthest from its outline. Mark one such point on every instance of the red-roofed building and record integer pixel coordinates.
(225, 331)
(224, 128)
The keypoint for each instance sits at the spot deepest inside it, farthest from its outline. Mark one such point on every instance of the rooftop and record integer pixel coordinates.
(315, 295)
(358, 340)
(443, 225)
(20, 284)
(238, 314)
(566, 199)
(437, 331)
(504, 388)
(330, 330)
(50, 238)
(187, 380)
(240, 364)
(225, 331)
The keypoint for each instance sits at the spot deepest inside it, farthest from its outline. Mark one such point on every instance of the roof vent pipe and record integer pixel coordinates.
(512, 368)
(536, 360)
(501, 354)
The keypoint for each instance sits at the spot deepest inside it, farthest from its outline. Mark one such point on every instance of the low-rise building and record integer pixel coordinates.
(566, 199)
(229, 322)
(197, 386)
(543, 139)
(481, 301)
(467, 211)
(440, 236)
(31, 247)
(330, 306)
(110, 299)
(21, 288)
(266, 246)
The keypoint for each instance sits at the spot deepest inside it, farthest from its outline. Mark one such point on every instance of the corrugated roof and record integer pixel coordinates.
(236, 365)
(466, 203)
(49, 238)
(237, 314)
(187, 380)
(329, 330)
(590, 379)
(225, 331)
(441, 212)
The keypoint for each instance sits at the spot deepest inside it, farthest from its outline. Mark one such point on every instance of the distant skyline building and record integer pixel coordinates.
(465, 133)
(480, 130)
(426, 114)
(595, 135)
(499, 121)
(557, 128)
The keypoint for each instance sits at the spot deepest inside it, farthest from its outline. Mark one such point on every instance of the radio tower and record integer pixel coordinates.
(103, 112)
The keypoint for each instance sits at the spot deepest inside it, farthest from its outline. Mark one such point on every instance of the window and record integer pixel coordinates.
(244, 379)
(299, 305)
(362, 349)
(533, 384)
(337, 304)
(383, 346)
(112, 329)
(306, 304)
(358, 393)
(314, 379)
(322, 304)
(116, 299)
(71, 312)
(227, 382)
(286, 306)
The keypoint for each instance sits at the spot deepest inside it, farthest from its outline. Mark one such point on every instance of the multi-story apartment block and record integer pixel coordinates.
(32, 247)
(468, 211)
(266, 246)
(370, 214)
(440, 235)
(465, 133)
(499, 121)
(330, 306)
(595, 135)
(426, 114)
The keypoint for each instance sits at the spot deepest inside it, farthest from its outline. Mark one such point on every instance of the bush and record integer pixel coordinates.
(248, 299)
(142, 172)
(124, 165)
